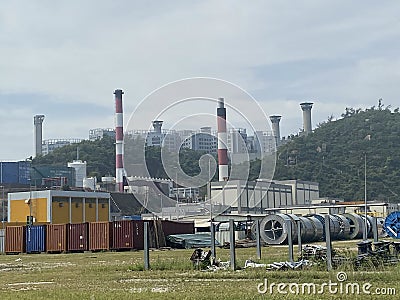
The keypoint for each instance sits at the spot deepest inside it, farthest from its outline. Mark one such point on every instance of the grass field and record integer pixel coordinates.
(120, 275)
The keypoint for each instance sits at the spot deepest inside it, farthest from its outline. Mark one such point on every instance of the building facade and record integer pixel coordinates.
(58, 207)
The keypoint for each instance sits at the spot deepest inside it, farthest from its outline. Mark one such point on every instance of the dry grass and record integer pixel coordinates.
(120, 275)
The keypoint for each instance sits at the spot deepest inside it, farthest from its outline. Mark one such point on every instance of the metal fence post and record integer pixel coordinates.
(232, 244)
(328, 242)
(299, 242)
(146, 246)
(290, 239)
(212, 229)
(375, 228)
(258, 239)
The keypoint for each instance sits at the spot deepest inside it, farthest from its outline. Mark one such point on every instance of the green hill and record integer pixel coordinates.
(334, 155)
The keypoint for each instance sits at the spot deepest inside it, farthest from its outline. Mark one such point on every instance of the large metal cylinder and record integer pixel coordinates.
(369, 225)
(318, 228)
(273, 229)
(356, 225)
(344, 225)
(307, 229)
(334, 226)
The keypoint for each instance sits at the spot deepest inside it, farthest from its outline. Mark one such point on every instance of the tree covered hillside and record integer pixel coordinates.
(334, 155)
(99, 155)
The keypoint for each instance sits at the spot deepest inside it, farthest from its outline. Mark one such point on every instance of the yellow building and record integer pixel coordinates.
(58, 207)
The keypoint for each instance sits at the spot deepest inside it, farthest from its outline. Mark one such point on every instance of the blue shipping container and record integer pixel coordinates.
(8, 172)
(15, 172)
(35, 238)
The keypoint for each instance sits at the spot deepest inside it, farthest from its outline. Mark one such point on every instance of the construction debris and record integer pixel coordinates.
(251, 264)
(287, 265)
(314, 252)
(201, 259)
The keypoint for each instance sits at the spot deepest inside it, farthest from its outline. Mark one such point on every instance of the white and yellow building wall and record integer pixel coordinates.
(58, 207)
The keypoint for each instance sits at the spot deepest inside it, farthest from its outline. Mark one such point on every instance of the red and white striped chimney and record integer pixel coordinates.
(119, 141)
(222, 141)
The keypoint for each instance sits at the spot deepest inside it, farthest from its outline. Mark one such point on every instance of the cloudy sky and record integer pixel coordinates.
(64, 59)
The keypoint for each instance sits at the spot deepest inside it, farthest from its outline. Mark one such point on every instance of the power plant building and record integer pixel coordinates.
(80, 171)
(58, 207)
(260, 196)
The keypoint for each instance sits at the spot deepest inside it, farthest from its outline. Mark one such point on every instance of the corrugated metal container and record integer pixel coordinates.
(99, 236)
(121, 235)
(77, 237)
(35, 238)
(2, 240)
(56, 238)
(14, 239)
(172, 227)
(9, 172)
(138, 234)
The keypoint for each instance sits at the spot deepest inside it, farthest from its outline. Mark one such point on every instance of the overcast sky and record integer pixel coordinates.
(64, 59)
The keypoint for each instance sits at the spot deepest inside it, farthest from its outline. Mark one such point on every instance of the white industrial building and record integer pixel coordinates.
(261, 196)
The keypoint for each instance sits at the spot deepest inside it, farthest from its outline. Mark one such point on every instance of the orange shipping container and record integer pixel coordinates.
(56, 240)
(15, 239)
(99, 236)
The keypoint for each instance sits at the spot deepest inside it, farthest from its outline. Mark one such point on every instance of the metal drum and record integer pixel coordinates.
(273, 229)
(318, 228)
(307, 229)
(334, 225)
(392, 224)
(369, 225)
(344, 227)
(356, 225)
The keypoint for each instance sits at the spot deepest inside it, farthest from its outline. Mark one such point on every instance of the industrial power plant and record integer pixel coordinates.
(267, 202)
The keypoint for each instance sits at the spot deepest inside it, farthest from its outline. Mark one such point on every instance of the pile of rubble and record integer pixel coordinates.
(314, 252)
(287, 265)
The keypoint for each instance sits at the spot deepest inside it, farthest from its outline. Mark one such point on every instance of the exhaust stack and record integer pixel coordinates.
(38, 133)
(119, 141)
(306, 107)
(222, 141)
(275, 128)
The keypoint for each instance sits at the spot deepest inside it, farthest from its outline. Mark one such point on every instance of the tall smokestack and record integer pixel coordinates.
(38, 133)
(306, 107)
(157, 126)
(222, 141)
(119, 141)
(275, 128)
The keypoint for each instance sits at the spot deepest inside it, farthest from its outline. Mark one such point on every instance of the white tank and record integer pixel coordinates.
(90, 183)
(80, 171)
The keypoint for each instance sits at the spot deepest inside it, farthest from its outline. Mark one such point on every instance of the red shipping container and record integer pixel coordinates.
(138, 234)
(15, 239)
(121, 235)
(56, 238)
(77, 237)
(99, 236)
